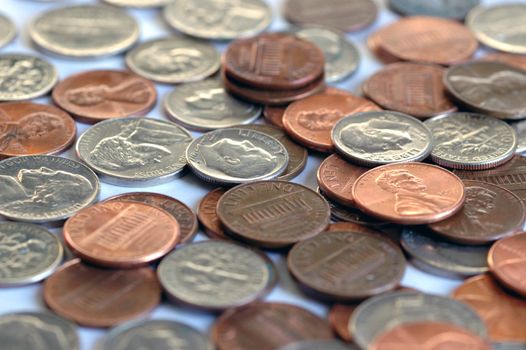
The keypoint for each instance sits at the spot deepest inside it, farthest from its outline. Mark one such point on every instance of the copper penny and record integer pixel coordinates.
(339, 316)
(507, 262)
(429, 336)
(267, 326)
(351, 227)
(104, 94)
(517, 61)
(96, 297)
(503, 313)
(409, 193)
(274, 115)
(310, 120)
(207, 214)
(185, 216)
(374, 43)
(490, 212)
(413, 88)
(31, 129)
(121, 234)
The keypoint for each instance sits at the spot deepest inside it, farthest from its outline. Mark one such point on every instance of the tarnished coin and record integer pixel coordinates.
(138, 3)
(218, 19)
(339, 316)
(457, 9)
(507, 259)
(320, 345)
(216, 275)
(206, 106)
(24, 77)
(346, 213)
(32, 129)
(155, 334)
(28, 253)
(517, 61)
(232, 156)
(255, 327)
(84, 31)
(489, 87)
(37, 330)
(273, 214)
(386, 311)
(96, 297)
(274, 115)
(173, 60)
(207, 214)
(7, 30)
(134, 152)
(471, 141)
(45, 188)
(500, 26)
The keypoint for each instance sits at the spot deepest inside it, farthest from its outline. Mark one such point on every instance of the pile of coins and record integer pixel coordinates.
(423, 167)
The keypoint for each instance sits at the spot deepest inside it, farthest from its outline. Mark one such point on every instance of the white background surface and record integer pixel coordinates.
(188, 189)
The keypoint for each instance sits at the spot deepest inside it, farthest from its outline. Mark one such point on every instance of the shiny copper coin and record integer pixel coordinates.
(207, 214)
(507, 262)
(504, 314)
(185, 216)
(409, 193)
(339, 316)
(95, 297)
(413, 88)
(31, 129)
(267, 326)
(517, 61)
(310, 120)
(274, 115)
(429, 336)
(121, 234)
(374, 42)
(104, 94)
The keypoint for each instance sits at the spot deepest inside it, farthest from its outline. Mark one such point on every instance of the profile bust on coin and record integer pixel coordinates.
(14, 135)
(377, 135)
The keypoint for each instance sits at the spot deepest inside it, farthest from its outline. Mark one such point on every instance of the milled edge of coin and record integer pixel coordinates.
(12, 32)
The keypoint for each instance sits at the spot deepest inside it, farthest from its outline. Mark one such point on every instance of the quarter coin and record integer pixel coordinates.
(207, 214)
(7, 30)
(447, 9)
(320, 344)
(506, 261)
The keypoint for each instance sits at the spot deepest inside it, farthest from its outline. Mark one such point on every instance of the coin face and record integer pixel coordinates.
(233, 156)
(471, 141)
(207, 214)
(138, 3)
(217, 19)
(436, 8)
(206, 106)
(45, 188)
(7, 30)
(84, 31)
(134, 152)
(97, 95)
(320, 344)
(173, 60)
(506, 260)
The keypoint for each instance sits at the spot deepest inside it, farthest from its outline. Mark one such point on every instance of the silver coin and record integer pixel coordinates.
(155, 335)
(138, 3)
(84, 31)
(7, 30)
(216, 275)
(500, 27)
(471, 141)
(235, 156)
(45, 188)
(174, 60)
(520, 130)
(320, 345)
(37, 330)
(219, 19)
(134, 152)
(443, 258)
(453, 9)
(205, 106)
(383, 137)
(341, 56)
(386, 311)
(24, 77)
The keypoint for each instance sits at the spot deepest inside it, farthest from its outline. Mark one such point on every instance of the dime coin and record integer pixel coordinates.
(95, 297)
(7, 30)
(138, 3)
(273, 214)
(502, 312)
(517, 61)
(155, 334)
(206, 106)
(37, 330)
(25, 77)
(120, 234)
(97, 95)
(274, 115)
(347, 266)
(506, 261)
(178, 210)
(32, 129)
(381, 313)
(471, 141)
(216, 19)
(490, 212)
(173, 60)
(339, 317)
(488, 87)
(376, 138)
(232, 156)
(409, 194)
(42, 189)
(447, 9)
(413, 88)
(216, 275)
(250, 327)
(319, 344)
(134, 152)
(29, 253)
(207, 214)
(84, 31)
